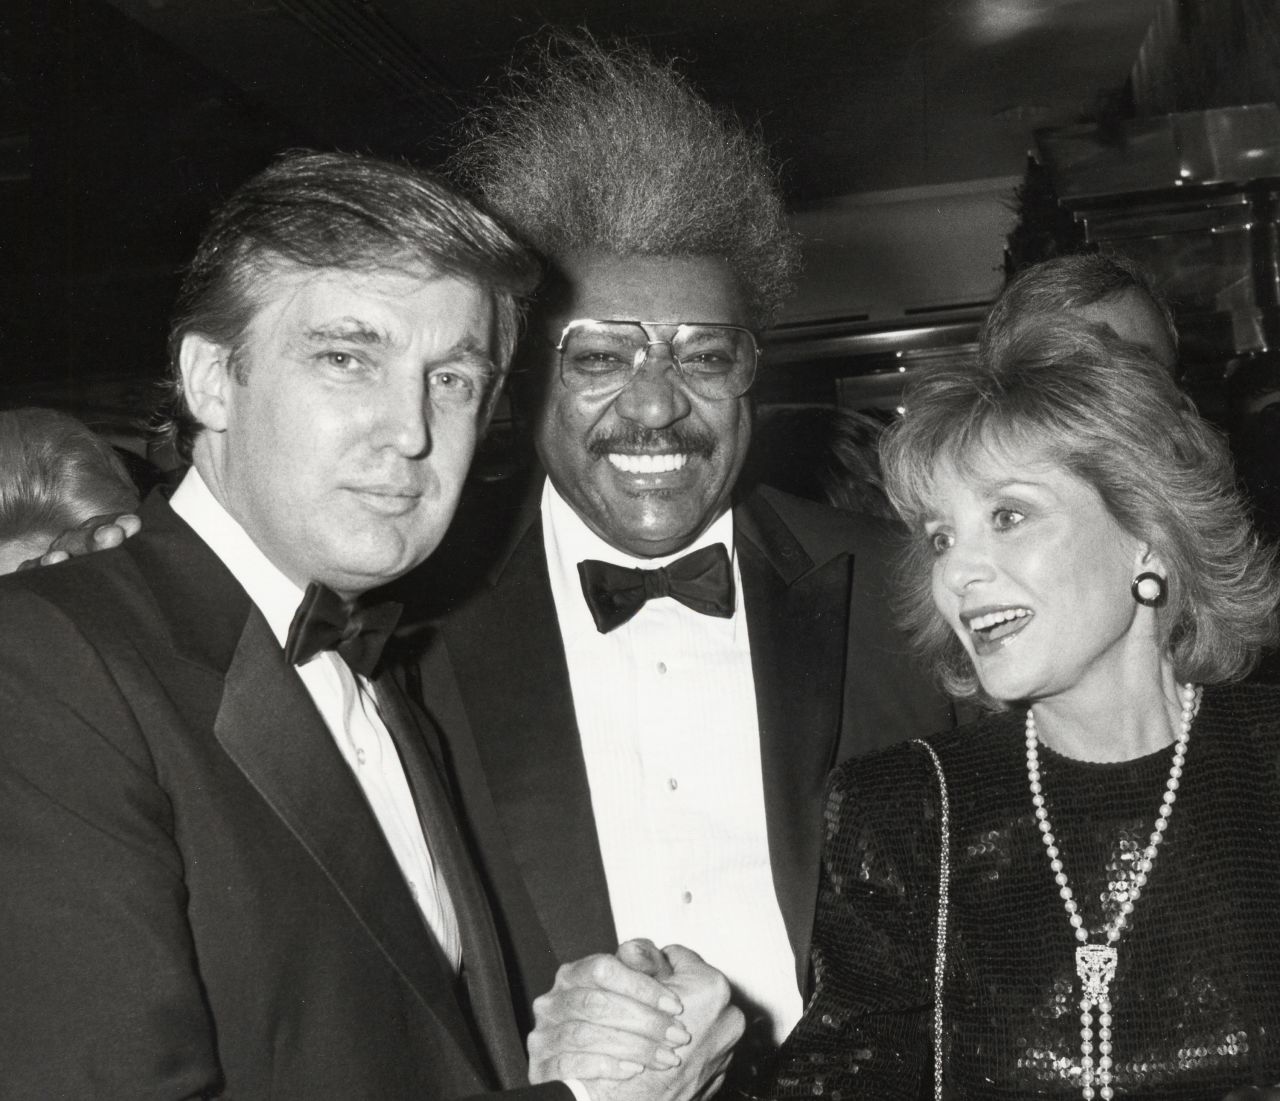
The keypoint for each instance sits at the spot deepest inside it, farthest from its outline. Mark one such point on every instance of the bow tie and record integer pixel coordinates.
(701, 580)
(324, 621)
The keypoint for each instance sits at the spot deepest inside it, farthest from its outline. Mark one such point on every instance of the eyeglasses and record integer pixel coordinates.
(716, 362)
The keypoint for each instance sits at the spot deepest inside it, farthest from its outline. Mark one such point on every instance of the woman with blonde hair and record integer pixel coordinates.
(1079, 894)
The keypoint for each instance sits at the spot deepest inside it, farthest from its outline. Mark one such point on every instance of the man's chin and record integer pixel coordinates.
(355, 575)
(654, 540)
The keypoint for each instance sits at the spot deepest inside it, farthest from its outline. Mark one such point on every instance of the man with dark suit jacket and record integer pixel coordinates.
(681, 668)
(230, 849)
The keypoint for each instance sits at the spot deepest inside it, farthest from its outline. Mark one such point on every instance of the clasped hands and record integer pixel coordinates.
(644, 1024)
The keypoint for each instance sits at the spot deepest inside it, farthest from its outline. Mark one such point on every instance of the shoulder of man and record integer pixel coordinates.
(822, 530)
(161, 577)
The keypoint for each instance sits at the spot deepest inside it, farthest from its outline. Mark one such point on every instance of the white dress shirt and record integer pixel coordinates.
(346, 703)
(666, 709)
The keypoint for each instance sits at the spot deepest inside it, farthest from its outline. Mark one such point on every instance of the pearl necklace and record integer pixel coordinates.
(1096, 963)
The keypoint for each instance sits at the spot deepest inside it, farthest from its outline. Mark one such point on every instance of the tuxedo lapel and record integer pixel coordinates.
(797, 618)
(269, 726)
(527, 737)
(485, 976)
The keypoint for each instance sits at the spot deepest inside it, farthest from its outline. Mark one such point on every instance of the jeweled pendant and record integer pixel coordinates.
(1096, 966)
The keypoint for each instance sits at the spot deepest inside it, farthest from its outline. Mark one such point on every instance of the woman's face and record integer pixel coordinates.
(1033, 573)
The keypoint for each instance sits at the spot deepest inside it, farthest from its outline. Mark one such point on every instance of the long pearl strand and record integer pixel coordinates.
(1096, 963)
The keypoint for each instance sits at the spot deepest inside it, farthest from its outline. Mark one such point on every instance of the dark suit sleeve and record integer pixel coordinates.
(100, 993)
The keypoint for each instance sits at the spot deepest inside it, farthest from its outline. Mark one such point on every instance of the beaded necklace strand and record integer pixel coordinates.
(1096, 963)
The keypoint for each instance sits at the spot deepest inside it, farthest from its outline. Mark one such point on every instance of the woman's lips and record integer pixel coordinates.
(992, 628)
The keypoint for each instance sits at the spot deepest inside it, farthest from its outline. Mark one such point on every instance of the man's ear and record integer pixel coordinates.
(206, 375)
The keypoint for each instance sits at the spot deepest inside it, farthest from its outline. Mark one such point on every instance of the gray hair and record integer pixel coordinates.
(596, 148)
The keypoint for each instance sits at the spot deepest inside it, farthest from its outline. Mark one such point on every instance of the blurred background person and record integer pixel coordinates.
(54, 474)
(822, 454)
(1110, 898)
(1105, 289)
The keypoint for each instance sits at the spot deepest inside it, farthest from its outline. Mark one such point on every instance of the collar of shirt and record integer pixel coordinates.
(275, 595)
(568, 541)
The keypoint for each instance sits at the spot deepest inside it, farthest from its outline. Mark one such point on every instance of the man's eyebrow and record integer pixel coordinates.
(349, 329)
(469, 350)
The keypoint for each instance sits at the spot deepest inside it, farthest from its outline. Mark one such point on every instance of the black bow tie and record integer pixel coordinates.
(324, 621)
(701, 580)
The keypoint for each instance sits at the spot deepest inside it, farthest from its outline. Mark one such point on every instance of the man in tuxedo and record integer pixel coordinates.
(232, 856)
(681, 665)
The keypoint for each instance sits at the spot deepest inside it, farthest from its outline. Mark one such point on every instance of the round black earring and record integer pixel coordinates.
(1149, 590)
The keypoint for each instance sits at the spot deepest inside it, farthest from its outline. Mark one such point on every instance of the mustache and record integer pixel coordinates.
(637, 439)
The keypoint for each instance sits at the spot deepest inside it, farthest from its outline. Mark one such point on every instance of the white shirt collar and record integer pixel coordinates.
(275, 595)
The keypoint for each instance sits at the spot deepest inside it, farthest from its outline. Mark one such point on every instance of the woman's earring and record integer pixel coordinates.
(1149, 590)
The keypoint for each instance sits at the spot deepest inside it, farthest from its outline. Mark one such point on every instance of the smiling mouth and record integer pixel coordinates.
(991, 628)
(647, 463)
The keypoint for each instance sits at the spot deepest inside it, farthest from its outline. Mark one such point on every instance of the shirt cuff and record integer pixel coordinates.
(579, 1089)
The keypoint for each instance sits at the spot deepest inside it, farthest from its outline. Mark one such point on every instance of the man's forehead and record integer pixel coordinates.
(355, 303)
(607, 285)
(278, 278)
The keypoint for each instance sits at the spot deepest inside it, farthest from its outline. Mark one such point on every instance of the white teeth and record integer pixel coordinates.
(648, 463)
(993, 619)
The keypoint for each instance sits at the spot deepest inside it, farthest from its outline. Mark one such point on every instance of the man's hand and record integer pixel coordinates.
(95, 534)
(714, 1026)
(607, 1019)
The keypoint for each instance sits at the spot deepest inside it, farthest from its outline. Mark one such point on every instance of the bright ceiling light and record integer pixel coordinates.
(993, 21)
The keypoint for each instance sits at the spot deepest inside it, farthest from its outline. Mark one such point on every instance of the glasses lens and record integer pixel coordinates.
(717, 361)
(600, 355)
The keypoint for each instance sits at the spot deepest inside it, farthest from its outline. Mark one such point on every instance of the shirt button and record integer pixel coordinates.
(673, 783)
(413, 890)
(662, 667)
(360, 756)
(687, 896)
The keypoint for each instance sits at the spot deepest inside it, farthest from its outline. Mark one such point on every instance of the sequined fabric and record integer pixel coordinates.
(1197, 991)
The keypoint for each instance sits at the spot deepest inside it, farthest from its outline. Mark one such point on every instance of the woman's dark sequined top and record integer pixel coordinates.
(1196, 998)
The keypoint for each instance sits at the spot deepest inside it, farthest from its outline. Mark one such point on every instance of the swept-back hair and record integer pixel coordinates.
(338, 211)
(1065, 284)
(1078, 397)
(56, 473)
(594, 147)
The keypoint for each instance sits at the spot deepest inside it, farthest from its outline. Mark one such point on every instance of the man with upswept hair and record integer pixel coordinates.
(678, 668)
(594, 148)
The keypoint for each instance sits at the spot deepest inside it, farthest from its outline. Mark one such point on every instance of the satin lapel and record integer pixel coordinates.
(269, 726)
(531, 961)
(489, 994)
(510, 666)
(797, 616)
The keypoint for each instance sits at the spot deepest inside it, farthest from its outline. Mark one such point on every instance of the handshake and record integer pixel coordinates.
(647, 1024)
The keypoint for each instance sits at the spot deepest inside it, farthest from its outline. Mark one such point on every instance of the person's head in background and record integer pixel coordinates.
(1107, 290)
(54, 474)
(648, 205)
